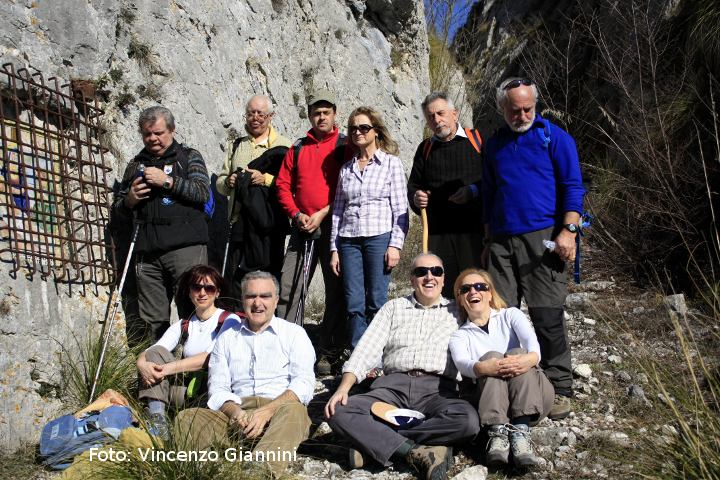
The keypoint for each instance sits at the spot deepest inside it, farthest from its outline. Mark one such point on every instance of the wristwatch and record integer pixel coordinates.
(571, 227)
(296, 216)
(167, 183)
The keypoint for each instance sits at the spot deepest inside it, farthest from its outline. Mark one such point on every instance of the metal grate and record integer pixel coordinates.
(54, 194)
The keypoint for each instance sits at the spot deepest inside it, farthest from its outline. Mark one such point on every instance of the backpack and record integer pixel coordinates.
(182, 159)
(472, 135)
(65, 437)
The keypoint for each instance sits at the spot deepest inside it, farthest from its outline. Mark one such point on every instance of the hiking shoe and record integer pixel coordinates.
(323, 367)
(431, 462)
(357, 459)
(561, 408)
(498, 446)
(521, 446)
(158, 426)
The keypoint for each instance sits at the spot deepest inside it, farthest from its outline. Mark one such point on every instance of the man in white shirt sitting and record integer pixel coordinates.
(261, 379)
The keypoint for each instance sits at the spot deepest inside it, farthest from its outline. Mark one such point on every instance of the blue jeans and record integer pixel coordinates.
(365, 279)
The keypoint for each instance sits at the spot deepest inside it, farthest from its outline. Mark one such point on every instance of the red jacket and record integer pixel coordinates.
(315, 178)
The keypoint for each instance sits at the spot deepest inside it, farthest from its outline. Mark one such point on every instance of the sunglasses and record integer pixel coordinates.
(364, 129)
(516, 83)
(209, 289)
(436, 271)
(478, 287)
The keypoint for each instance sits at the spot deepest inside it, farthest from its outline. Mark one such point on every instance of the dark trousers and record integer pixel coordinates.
(521, 266)
(458, 251)
(157, 276)
(448, 419)
(333, 331)
(235, 269)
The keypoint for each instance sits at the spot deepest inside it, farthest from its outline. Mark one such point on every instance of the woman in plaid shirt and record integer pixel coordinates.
(369, 218)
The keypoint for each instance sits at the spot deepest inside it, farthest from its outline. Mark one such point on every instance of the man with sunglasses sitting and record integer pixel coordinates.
(532, 191)
(411, 335)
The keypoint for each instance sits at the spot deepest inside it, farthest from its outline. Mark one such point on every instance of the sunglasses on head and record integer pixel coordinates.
(209, 289)
(364, 129)
(479, 287)
(436, 271)
(516, 83)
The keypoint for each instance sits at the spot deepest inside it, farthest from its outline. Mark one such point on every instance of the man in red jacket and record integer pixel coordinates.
(306, 189)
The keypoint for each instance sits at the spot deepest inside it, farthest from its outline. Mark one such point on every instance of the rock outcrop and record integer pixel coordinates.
(202, 59)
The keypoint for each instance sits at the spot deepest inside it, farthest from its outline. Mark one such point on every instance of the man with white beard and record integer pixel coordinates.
(532, 191)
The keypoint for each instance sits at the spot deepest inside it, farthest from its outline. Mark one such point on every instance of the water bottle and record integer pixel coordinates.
(549, 244)
(141, 171)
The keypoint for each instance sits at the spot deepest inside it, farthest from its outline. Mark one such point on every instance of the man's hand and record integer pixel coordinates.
(257, 177)
(421, 198)
(313, 222)
(463, 195)
(231, 180)
(236, 415)
(258, 421)
(341, 396)
(565, 245)
(392, 257)
(155, 177)
(139, 191)
(335, 263)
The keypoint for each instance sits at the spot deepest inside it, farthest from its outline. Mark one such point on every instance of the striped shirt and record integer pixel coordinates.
(371, 202)
(407, 336)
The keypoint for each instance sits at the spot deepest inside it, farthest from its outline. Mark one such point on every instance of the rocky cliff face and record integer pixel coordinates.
(202, 59)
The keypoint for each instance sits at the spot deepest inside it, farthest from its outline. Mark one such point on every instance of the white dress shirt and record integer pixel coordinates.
(266, 364)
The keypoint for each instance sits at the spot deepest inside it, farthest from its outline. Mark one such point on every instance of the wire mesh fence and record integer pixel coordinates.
(54, 193)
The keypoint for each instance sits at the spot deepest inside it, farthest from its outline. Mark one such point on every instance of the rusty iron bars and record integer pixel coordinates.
(54, 193)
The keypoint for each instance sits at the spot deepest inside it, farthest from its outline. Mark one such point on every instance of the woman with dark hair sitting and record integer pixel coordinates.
(497, 350)
(159, 368)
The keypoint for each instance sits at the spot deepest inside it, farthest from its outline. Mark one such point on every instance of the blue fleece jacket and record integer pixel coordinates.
(528, 183)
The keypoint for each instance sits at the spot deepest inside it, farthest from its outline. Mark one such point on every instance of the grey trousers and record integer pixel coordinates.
(171, 390)
(500, 400)
(157, 277)
(458, 251)
(521, 266)
(448, 419)
(333, 331)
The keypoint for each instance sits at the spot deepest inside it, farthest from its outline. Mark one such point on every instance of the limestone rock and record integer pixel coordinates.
(476, 472)
(676, 303)
(583, 371)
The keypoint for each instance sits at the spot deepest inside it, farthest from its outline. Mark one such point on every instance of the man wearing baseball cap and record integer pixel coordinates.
(306, 189)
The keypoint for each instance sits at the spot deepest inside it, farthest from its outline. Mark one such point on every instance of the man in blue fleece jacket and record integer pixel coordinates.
(532, 191)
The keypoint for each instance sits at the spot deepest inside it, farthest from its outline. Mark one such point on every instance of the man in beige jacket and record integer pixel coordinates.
(260, 138)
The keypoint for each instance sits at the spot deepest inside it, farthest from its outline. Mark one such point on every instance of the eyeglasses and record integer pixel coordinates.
(209, 288)
(478, 287)
(364, 129)
(516, 83)
(260, 115)
(436, 271)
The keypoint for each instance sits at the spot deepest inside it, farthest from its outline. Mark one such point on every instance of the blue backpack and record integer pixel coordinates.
(182, 158)
(65, 437)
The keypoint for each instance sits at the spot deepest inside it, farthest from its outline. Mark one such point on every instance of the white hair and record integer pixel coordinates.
(265, 98)
(501, 92)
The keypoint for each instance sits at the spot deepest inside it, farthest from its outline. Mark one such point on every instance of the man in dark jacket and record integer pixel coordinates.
(445, 169)
(164, 189)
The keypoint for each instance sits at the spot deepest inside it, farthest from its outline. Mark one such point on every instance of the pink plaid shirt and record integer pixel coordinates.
(371, 202)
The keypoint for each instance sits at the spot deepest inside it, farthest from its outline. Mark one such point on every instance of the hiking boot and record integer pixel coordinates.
(521, 446)
(498, 446)
(158, 426)
(323, 367)
(431, 462)
(357, 459)
(561, 408)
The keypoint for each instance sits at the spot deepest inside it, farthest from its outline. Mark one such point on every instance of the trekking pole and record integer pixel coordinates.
(423, 217)
(227, 250)
(307, 259)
